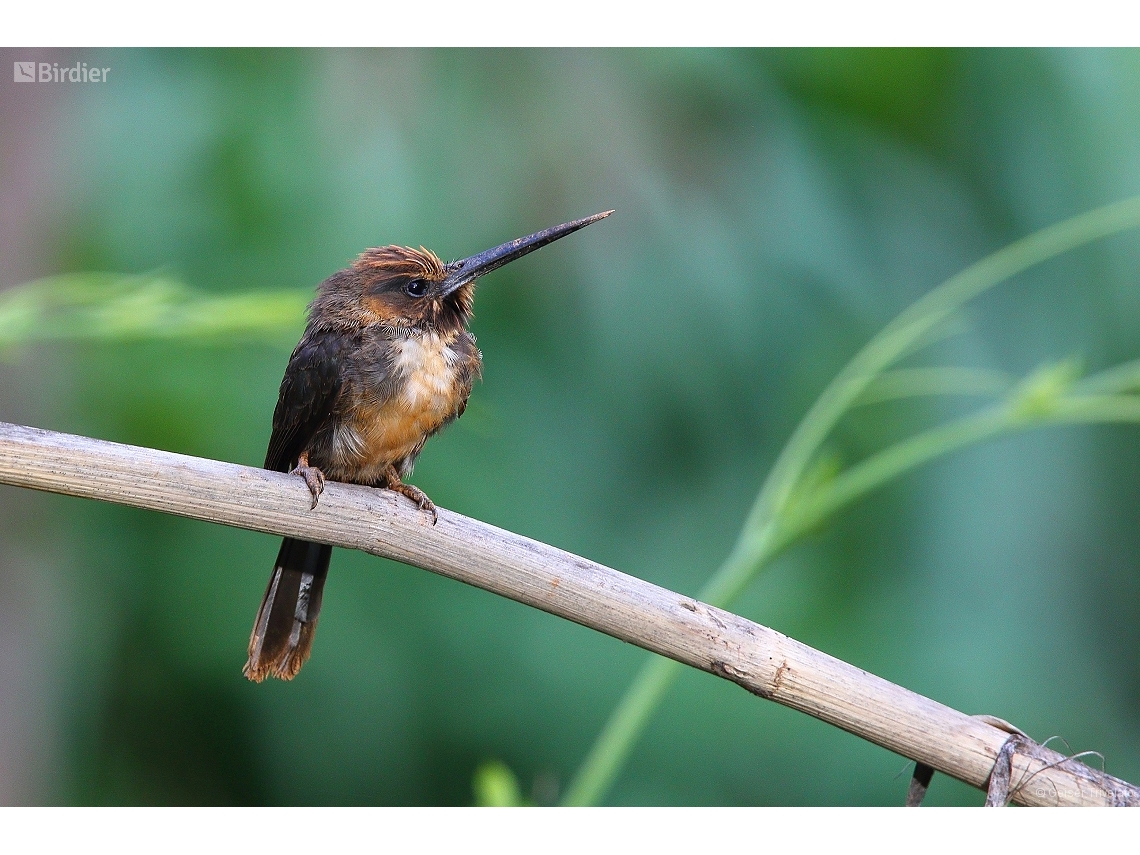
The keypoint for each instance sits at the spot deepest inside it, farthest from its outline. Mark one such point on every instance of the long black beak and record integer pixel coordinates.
(459, 273)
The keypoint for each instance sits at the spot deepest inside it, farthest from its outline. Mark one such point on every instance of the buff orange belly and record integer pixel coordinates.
(389, 431)
(394, 431)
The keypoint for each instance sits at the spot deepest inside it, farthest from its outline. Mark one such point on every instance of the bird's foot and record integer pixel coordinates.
(418, 496)
(314, 480)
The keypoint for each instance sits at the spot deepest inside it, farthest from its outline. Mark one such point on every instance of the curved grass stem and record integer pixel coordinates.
(770, 528)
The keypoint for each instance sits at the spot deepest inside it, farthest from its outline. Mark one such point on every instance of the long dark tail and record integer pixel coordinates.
(283, 633)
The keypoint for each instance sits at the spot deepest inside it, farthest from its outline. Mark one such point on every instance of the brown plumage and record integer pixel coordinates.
(386, 361)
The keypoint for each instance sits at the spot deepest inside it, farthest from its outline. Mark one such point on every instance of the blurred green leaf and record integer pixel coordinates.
(108, 307)
(495, 785)
(942, 380)
(1121, 378)
(1041, 393)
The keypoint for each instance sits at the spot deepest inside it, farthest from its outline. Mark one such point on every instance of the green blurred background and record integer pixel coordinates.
(774, 210)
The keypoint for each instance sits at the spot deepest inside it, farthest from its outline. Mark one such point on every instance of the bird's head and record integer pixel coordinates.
(413, 289)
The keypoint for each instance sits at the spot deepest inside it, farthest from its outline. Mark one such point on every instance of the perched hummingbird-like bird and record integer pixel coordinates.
(386, 361)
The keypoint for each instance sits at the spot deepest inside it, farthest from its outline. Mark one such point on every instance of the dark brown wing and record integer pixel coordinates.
(309, 393)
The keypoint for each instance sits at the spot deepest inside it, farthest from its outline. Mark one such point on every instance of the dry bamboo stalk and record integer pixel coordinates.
(761, 660)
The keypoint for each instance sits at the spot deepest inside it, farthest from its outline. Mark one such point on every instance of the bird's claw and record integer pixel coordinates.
(419, 497)
(314, 480)
(425, 504)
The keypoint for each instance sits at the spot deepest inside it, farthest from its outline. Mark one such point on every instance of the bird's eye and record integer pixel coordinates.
(416, 288)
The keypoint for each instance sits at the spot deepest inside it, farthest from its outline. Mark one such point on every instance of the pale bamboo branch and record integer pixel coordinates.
(761, 660)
